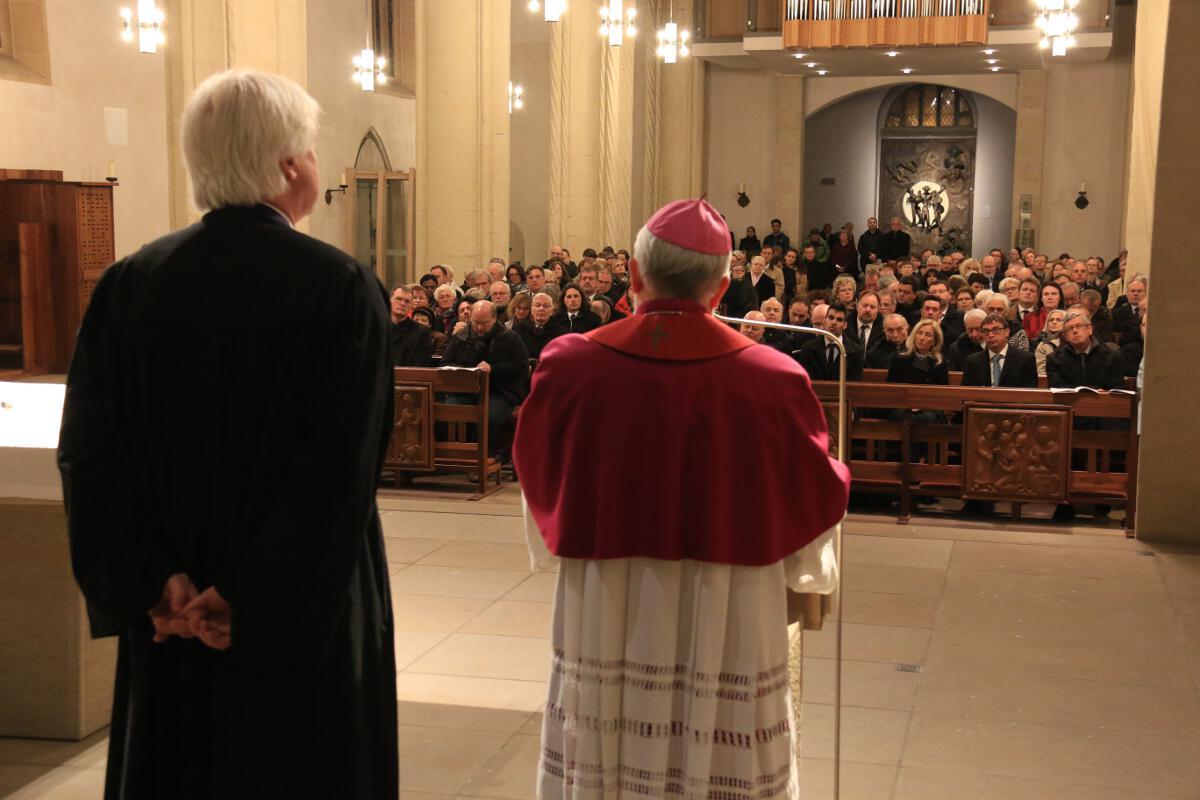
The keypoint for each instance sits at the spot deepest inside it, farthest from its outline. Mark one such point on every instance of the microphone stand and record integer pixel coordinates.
(794, 657)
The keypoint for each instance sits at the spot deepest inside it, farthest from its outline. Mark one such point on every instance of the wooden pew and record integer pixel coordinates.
(430, 435)
(907, 458)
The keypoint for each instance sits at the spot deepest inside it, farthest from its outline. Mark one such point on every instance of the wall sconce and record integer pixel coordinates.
(516, 97)
(1082, 202)
(330, 192)
(617, 22)
(743, 199)
(368, 70)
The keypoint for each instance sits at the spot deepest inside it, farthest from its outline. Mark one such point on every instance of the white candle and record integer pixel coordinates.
(112, 169)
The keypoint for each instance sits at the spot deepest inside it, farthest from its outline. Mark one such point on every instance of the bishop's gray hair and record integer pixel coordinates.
(675, 272)
(237, 127)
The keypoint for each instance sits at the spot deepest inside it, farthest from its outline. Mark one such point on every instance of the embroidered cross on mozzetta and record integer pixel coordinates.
(656, 335)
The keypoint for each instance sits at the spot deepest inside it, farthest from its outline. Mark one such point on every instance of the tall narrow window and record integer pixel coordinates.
(382, 214)
(393, 37)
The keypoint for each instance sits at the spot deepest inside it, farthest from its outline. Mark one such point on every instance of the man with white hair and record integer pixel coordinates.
(219, 473)
(670, 624)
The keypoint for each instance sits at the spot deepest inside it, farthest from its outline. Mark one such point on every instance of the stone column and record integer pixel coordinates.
(1028, 153)
(616, 143)
(789, 154)
(462, 133)
(1144, 117)
(1168, 478)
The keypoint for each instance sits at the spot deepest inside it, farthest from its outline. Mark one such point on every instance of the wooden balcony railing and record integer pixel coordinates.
(810, 24)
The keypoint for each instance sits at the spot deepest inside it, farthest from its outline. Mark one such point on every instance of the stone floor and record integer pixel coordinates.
(982, 660)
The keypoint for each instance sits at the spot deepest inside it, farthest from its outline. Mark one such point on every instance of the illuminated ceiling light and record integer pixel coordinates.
(993, 61)
(369, 70)
(617, 22)
(892, 53)
(516, 95)
(811, 64)
(1057, 21)
(822, 71)
(554, 9)
(672, 42)
(149, 26)
(906, 70)
(799, 55)
(994, 69)
(989, 52)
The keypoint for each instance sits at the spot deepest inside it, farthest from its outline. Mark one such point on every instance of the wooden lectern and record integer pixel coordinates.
(56, 237)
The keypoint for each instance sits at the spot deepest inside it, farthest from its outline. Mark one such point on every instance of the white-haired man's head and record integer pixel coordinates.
(249, 137)
(671, 271)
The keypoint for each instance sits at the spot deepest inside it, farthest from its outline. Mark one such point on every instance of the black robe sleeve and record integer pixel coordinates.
(288, 588)
(118, 560)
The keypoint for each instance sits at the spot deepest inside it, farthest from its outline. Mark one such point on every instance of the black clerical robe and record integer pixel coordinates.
(238, 442)
(412, 344)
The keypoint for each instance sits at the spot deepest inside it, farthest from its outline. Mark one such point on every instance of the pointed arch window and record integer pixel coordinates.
(382, 219)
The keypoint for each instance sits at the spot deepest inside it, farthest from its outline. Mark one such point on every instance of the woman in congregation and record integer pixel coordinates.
(843, 254)
(1049, 338)
(515, 274)
(424, 316)
(750, 245)
(420, 296)
(462, 314)
(1051, 299)
(519, 308)
(445, 312)
(964, 300)
(845, 289)
(921, 359)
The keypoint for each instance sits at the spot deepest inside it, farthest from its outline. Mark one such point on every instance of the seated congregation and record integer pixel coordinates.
(1015, 320)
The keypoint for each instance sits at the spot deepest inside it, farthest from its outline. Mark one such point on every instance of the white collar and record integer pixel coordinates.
(1003, 353)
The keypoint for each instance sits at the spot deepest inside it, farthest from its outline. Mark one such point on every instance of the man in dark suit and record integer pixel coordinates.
(895, 334)
(969, 343)
(412, 344)
(492, 348)
(905, 292)
(864, 322)
(541, 328)
(870, 245)
(219, 473)
(820, 273)
(1083, 360)
(820, 357)
(1126, 316)
(999, 364)
(896, 243)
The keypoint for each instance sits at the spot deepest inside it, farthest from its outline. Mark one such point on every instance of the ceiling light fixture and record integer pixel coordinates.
(822, 71)
(617, 22)
(906, 70)
(994, 69)
(799, 55)
(554, 9)
(892, 53)
(1057, 21)
(993, 61)
(989, 52)
(811, 64)
(672, 42)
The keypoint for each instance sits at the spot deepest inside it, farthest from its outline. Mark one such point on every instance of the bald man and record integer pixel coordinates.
(492, 348)
(754, 332)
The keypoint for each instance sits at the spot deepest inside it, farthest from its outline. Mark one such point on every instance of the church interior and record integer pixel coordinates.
(983, 644)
